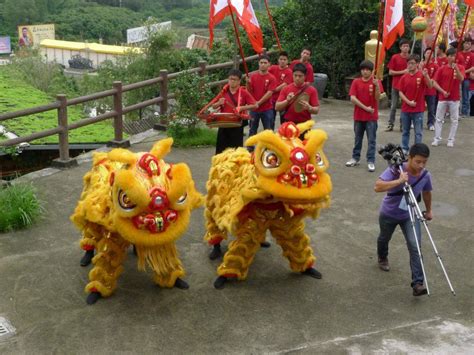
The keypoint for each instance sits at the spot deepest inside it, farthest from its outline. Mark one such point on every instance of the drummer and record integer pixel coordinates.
(298, 100)
(235, 99)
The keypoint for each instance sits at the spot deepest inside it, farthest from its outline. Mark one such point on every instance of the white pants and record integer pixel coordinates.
(443, 107)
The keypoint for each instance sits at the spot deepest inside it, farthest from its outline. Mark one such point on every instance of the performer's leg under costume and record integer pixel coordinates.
(242, 250)
(290, 235)
(111, 252)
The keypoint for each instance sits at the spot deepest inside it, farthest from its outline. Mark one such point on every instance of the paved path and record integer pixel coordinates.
(355, 308)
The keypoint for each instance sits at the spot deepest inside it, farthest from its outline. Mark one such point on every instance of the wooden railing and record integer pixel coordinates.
(62, 103)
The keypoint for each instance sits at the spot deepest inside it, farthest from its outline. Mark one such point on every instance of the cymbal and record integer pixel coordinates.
(303, 97)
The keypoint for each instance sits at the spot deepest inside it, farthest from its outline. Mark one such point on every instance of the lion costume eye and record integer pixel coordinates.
(319, 160)
(270, 159)
(182, 199)
(124, 201)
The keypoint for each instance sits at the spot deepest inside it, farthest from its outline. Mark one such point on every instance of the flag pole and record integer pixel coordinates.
(273, 25)
(437, 33)
(241, 50)
(379, 35)
(463, 27)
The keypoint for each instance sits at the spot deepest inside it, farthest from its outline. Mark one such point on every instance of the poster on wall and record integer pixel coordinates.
(5, 45)
(32, 35)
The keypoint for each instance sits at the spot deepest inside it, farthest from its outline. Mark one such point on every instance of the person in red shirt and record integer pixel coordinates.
(431, 98)
(365, 93)
(305, 59)
(261, 85)
(468, 66)
(412, 92)
(283, 75)
(447, 81)
(235, 99)
(396, 68)
(442, 58)
(298, 93)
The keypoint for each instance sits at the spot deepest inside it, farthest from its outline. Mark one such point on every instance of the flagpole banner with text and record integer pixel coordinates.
(32, 35)
(5, 45)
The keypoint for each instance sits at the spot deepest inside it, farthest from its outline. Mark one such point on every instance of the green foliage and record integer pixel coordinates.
(19, 207)
(16, 95)
(191, 137)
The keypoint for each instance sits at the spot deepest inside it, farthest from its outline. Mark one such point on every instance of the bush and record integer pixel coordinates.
(186, 136)
(19, 207)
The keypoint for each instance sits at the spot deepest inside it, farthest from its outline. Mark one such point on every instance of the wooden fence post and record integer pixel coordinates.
(118, 140)
(236, 61)
(64, 161)
(164, 92)
(202, 66)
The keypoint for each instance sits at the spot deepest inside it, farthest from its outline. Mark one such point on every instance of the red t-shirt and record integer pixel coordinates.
(442, 61)
(259, 85)
(413, 87)
(309, 70)
(446, 78)
(432, 69)
(291, 114)
(241, 98)
(364, 92)
(397, 63)
(282, 76)
(468, 61)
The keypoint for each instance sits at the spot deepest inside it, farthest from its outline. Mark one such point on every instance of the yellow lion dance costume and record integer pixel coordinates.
(276, 188)
(134, 198)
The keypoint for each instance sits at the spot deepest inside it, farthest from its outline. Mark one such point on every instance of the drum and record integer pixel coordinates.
(223, 120)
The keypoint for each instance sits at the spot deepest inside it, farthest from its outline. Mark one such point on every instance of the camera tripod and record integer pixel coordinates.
(416, 214)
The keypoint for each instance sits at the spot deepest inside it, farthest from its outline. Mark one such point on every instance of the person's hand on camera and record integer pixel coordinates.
(403, 177)
(428, 215)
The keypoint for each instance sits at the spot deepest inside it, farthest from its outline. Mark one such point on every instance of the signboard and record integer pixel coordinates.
(32, 35)
(140, 34)
(5, 45)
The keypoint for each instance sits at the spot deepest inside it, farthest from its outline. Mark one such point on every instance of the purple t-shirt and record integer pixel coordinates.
(395, 206)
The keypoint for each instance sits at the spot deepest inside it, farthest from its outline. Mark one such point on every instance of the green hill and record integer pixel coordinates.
(17, 95)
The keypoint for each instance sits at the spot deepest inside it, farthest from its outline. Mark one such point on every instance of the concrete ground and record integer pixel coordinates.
(356, 308)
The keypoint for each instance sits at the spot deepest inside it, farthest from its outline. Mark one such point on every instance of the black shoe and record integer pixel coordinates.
(313, 273)
(265, 244)
(87, 257)
(383, 264)
(181, 284)
(389, 128)
(93, 297)
(419, 290)
(219, 284)
(216, 252)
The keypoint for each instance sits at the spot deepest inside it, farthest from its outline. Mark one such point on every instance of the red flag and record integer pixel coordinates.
(393, 25)
(469, 2)
(243, 10)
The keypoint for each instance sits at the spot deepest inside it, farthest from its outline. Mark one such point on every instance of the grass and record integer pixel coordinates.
(19, 207)
(16, 95)
(192, 137)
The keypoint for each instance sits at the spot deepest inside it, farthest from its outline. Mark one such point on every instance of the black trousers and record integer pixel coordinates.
(229, 138)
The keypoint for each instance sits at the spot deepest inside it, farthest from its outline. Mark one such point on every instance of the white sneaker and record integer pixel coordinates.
(435, 143)
(371, 167)
(450, 144)
(352, 162)
(431, 128)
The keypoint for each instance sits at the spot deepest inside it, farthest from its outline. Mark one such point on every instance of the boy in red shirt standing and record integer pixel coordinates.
(235, 99)
(365, 93)
(283, 75)
(468, 66)
(261, 85)
(447, 81)
(293, 94)
(396, 68)
(430, 93)
(412, 92)
(304, 59)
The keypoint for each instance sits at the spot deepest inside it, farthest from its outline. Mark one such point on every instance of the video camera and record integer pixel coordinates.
(393, 154)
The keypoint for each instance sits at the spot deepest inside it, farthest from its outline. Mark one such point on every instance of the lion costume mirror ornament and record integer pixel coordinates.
(134, 198)
(274, 189)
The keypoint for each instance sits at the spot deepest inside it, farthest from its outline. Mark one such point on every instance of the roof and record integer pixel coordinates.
(94, 47)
